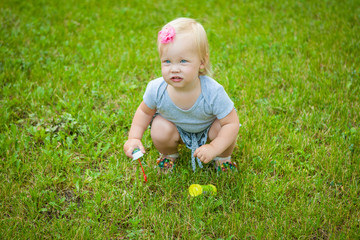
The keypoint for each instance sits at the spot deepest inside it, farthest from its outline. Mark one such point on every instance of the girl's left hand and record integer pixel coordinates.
(205, 153)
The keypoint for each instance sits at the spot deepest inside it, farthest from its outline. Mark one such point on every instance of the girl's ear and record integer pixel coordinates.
(204, 62)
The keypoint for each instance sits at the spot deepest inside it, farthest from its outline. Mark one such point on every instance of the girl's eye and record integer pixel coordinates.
(183, 61)
(167, 61)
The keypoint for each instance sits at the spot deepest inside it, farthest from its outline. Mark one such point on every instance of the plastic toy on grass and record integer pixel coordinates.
(197, 189)
(137, 154)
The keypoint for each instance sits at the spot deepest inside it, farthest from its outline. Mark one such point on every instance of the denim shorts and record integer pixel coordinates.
(194, 141)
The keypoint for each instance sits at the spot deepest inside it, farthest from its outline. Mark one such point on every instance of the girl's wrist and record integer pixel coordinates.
(218, 150)
(134, 138)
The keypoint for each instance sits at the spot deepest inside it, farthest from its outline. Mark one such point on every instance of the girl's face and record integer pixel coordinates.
(180, 63)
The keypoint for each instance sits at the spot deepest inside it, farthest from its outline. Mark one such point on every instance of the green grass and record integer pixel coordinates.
(72, 74)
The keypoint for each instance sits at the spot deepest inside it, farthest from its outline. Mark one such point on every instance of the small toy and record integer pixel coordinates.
(197, 189)
(137, 154)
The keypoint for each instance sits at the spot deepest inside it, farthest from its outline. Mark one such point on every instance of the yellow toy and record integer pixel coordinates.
(197, 189)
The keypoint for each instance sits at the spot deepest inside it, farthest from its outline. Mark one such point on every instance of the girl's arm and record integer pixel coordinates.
(141, 121)
(226, 136)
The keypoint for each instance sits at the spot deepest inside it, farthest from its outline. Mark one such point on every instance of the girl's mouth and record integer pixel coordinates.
(176, 79)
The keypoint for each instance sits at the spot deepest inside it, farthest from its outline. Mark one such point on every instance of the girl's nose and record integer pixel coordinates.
(175, 68)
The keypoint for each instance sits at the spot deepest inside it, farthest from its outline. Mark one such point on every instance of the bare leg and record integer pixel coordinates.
(213, 132)
(165, 135)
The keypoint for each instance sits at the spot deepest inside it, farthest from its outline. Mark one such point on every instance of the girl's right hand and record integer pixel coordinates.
(132, 144)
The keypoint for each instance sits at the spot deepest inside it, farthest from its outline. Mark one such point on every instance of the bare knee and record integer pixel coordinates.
(214, 130)
(163, 131)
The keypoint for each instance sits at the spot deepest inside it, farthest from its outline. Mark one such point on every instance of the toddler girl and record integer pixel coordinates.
(185, 105)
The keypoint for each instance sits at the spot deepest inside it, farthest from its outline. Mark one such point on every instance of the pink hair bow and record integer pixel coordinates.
(167, 35)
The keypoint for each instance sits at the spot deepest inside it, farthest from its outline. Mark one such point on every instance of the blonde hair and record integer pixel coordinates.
(186, 26)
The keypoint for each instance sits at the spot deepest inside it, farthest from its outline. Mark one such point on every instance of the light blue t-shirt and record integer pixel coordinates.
(212, 103)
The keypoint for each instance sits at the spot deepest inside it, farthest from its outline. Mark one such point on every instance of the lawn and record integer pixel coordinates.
(72, 74)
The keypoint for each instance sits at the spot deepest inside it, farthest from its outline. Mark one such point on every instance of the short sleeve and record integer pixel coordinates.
(150, 95)
(221, 103)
